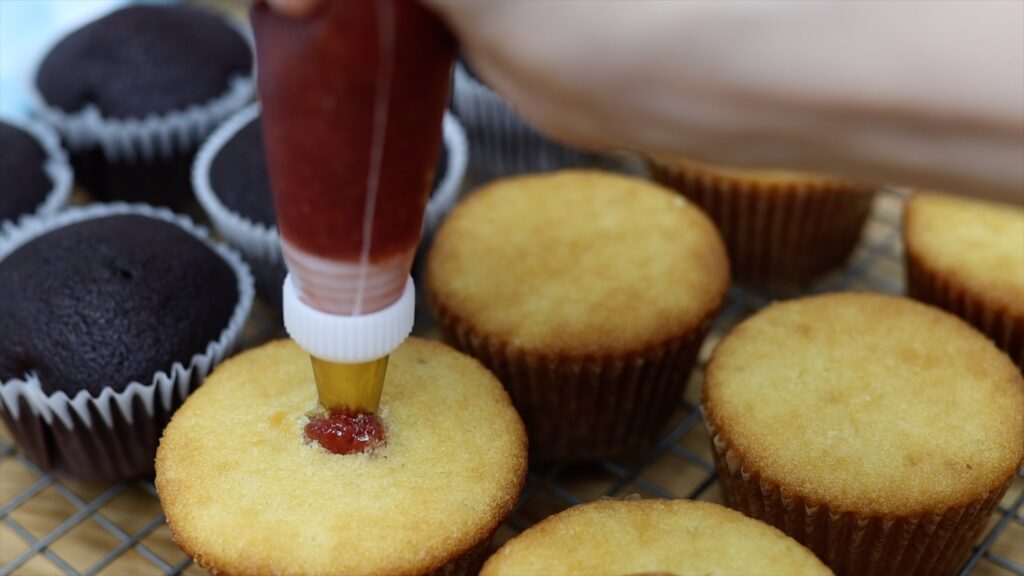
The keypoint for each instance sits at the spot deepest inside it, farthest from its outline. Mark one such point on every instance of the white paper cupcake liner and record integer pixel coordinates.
(253, 239)
(57, 168)
(446, 193)
(502, 143)
(158, 136)
(167, 388)
(260, 243)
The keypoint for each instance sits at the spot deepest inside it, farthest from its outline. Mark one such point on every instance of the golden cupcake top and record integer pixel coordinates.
(977, 245)
(245, 493)
(869, 403)
(578, 262)
(679, 537)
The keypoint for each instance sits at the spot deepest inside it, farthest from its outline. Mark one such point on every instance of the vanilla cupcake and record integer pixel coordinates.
(245, 492)
(782, 228)
(879, 432)
(967, 256)
(588, 294)
(680, 537)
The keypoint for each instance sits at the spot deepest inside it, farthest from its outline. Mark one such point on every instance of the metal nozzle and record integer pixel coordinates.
(355, 387)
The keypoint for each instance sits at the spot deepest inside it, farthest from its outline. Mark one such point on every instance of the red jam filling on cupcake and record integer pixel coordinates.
(346, 432)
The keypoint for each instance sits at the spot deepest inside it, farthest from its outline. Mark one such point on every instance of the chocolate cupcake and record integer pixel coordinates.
(879, 432)
(967, 257)
(112, 314)
(231, 183)
(588, 294)
(503, 143)
(35, 171)
(782, 228)
(134, 93)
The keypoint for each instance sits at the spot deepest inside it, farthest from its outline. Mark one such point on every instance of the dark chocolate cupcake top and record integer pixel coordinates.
(238, 175)
(104, 302)
(142, 60)
(22, 170)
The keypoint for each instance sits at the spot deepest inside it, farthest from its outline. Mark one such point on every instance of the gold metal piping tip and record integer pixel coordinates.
(353, 387)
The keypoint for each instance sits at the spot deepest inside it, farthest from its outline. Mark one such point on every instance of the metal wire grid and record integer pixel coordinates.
(681, 452)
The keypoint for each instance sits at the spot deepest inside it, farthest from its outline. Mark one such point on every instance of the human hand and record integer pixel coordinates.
(764, 84)
(297, 8)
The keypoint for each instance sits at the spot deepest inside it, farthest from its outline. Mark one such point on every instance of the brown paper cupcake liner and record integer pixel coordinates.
(853, 544)
(996, 322)
(784, 233)
(590, 407)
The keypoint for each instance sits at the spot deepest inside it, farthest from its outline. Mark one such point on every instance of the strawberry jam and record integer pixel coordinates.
(352, 97)
(345, 432)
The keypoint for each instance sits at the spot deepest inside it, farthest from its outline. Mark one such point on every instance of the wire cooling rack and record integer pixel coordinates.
(50, 526)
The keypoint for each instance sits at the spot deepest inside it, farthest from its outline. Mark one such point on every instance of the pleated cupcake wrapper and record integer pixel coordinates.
(586, 408)
(255, 240)
(155, 137)
(998, 323)
(24, 402)
(503, 143)
(776, 233)
(259, 243)
(851, 543)
(446, 193)
(56, 167)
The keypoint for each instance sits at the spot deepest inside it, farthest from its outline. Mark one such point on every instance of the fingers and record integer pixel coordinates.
(296, 8)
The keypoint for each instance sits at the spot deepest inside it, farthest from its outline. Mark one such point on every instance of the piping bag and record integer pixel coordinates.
(353, 96)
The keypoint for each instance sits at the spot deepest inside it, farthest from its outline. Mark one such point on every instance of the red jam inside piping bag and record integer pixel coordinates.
(353, 96)
(343, 432)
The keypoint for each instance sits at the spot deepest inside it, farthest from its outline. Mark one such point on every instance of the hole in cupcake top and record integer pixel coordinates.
(107, 301)
(142, 60)
(346, 432)
(25, 181)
